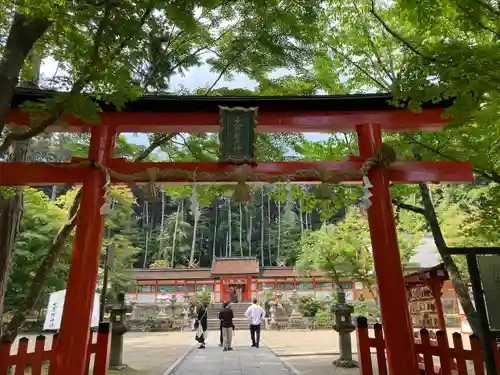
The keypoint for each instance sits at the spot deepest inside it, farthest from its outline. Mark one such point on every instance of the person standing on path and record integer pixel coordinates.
(255, 314)
(226, 316)
(221, 339)
(201, 325)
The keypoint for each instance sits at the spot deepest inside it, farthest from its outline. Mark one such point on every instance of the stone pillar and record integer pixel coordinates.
(117, 318)
(344, 327)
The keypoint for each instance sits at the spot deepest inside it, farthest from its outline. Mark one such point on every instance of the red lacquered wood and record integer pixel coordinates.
(496, 353)
(477, 355)
(291, 121)
(4, 357)
(444, 352)
(425, 349)
(363, 341)
(101, 361)
(71, 354)
(380, 348)
(37, 357)
(399, 339)
(21, 357)
(74, 173)
(459, 354)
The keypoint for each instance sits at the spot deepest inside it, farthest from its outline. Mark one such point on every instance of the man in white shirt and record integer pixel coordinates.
(255, 315)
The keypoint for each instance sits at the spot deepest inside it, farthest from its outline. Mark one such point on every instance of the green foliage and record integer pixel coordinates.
(341, 250)
(366, 308)
(308, 305)
(203, 297)
(41, 221)
(323, 317)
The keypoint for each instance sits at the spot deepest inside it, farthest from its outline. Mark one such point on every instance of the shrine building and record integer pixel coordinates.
(254, 280)
(236, 272)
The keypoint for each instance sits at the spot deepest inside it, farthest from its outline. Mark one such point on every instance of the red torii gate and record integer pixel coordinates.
(368, 115)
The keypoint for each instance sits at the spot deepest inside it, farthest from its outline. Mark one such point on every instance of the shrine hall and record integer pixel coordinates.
(238, 120)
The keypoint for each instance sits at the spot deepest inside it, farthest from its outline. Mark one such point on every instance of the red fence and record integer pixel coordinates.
(427, 350)
(38, 360)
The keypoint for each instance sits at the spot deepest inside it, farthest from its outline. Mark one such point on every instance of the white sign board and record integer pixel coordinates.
(55, 310)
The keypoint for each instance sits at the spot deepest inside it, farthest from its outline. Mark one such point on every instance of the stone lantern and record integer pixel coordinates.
(118, 329)
(293, 299)
(343, 325)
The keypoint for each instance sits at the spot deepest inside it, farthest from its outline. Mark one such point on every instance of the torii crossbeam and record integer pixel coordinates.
(368, 115)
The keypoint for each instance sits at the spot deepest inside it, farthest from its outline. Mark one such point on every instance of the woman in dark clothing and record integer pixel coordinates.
(202, 321)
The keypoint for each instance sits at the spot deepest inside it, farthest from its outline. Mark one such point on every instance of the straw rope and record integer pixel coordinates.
(243, 174)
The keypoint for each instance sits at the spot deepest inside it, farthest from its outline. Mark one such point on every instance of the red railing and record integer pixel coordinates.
(427, 350)
(38, 360)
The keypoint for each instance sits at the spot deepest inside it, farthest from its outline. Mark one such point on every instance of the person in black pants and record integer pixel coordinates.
(203, 322)
(226, 316)
(220, 328)
(255, 314)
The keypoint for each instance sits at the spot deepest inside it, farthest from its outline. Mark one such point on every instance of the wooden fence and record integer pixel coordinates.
(37, 362)
(426, 350)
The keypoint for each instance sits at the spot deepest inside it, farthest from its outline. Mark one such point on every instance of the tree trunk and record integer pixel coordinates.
(262, 227)
(162, 225)
(215, 231)
(249, 233)
(300, 217)
(456, 278)
(23, 34)
(145, 222)
(174, 235)
(36, 288)
(52, 255)
(229, 231)
(11, 210)
(269, 232)
(279, 233)
(193, 243)
(241, 230)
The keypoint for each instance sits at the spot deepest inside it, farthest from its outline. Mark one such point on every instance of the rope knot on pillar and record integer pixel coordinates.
(382, 158)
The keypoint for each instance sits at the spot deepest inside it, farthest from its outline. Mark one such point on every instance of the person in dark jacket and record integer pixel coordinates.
(226, 316)
(221, 341)
(202, 321)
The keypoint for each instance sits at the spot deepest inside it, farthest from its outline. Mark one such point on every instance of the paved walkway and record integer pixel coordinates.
(243, 360)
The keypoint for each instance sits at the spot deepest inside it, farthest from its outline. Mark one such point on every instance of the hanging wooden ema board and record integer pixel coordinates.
(422, 307)
(237, 135)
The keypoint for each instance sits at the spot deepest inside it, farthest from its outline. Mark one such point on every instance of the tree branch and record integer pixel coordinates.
(23, 34)
(78, 86)
(359, 67)
(399, 37)
(491, 175)
(408, 207)
(160, 139)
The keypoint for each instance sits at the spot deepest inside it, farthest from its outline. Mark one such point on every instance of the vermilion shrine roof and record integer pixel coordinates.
(235, 266)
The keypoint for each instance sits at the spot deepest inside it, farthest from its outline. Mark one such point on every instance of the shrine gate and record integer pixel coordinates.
(368, 115)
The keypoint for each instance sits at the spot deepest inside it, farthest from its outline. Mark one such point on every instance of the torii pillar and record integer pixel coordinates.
(399, 339)
(72, 347)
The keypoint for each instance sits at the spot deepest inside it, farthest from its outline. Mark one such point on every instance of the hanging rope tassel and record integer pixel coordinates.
(323, 190)
(242, 192)
(151, 191)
